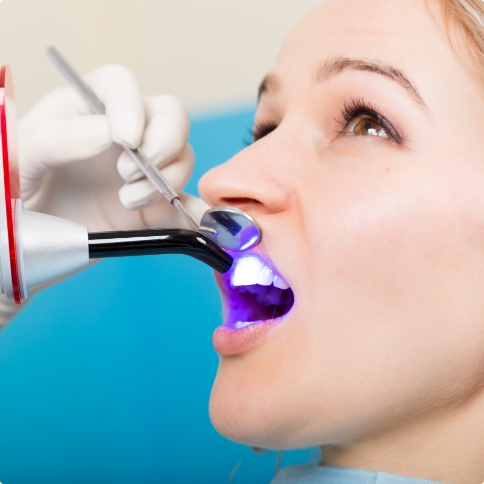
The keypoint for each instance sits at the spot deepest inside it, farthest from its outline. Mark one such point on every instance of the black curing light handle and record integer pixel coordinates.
(159, 241)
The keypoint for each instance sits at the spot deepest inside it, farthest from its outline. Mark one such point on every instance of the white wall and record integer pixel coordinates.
(209, 52)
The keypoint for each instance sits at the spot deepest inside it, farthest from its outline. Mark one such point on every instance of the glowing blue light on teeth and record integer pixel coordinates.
(247, 271)
(280, 282)
(266, 277)
(251, 270)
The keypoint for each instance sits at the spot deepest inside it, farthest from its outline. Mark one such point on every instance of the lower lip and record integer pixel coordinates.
(228, 341)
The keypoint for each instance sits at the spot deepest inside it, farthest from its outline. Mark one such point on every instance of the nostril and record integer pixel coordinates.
(240, 201)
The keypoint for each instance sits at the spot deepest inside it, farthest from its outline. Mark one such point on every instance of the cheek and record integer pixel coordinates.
(407, 246)
(389, 316)
(397, 287)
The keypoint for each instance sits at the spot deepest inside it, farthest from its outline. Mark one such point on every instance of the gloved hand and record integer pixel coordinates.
(70, 167)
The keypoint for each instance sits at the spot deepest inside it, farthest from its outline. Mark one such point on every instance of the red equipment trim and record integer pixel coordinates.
(8, 129)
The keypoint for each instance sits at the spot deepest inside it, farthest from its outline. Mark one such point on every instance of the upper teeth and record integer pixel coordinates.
(251, 270)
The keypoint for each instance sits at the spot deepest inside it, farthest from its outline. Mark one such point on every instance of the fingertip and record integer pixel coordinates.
(167, 129)
(178, 172)
(195, 206)
(126, 127)
(138, 195)
(127, 169)
(118, 89)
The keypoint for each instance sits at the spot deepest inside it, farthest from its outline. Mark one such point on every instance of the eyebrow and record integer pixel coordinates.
(336, 65)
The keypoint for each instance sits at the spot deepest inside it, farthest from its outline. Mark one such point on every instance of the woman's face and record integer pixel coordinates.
(367, 179)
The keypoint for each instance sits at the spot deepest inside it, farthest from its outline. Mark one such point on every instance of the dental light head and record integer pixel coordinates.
(36, 248)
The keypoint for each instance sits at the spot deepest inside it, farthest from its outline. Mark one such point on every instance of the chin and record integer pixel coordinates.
(233, 411)
(243, 426)
(248, 410)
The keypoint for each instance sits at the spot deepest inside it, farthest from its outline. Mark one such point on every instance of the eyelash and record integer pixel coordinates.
(358, 108)
(258, 131)
(350, 111)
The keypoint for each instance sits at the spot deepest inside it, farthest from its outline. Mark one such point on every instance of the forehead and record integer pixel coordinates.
(402, 32)
(408, 35)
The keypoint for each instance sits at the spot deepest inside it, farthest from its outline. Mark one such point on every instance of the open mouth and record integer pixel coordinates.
(253, 293)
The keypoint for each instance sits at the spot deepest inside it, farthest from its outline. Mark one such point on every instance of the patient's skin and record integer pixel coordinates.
(381, 361)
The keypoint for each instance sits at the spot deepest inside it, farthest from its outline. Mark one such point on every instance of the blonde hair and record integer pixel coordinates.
(466, 19)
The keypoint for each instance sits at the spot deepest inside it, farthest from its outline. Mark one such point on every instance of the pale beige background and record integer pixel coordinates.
(209, 52)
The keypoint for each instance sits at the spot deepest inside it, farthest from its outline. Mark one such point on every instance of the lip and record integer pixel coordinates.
(229, 340)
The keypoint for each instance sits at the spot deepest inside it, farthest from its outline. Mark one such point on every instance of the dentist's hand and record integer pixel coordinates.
(71, 164)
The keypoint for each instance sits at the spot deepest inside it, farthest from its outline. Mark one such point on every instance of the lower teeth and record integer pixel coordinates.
(243, 324)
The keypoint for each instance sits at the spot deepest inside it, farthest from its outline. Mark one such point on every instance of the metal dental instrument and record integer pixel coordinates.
(228, 227)
(36, 248)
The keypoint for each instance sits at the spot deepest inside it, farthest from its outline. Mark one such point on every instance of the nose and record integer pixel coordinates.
(254, 180)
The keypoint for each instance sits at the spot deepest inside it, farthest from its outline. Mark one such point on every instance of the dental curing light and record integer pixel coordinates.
(36, 248)
(228, 227)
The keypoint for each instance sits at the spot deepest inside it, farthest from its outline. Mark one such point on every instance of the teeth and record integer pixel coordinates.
(280, 282)
(247, 271)
(251, 270)
(266, 277)
(242, 324)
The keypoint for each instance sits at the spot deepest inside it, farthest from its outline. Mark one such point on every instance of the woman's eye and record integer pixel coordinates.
(367, 127)
(262, 129)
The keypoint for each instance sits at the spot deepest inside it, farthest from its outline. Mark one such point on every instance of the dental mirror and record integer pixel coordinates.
(227, 227)
(235, 229)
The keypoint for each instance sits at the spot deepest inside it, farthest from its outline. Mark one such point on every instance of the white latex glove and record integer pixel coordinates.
(70, 167)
